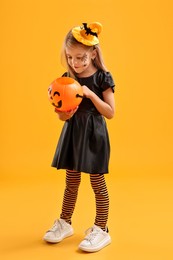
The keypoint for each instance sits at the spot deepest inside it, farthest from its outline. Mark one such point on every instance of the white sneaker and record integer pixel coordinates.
(95, 240)
(60, 230)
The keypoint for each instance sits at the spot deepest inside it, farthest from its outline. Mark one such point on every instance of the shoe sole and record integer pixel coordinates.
(101, 245)
(49, 240)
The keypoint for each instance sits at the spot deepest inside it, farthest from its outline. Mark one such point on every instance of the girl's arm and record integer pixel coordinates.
(106, 107)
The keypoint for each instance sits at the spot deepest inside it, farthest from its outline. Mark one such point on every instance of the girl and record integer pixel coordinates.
(84, 143)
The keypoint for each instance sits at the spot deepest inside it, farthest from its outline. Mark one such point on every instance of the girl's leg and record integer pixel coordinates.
(98, 237)
(102, 199)
(70, 195)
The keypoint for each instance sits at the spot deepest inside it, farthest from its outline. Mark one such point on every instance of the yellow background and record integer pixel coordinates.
(137, 47)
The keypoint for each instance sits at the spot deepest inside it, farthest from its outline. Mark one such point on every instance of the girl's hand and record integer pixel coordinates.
(87, 92)
(66, 115)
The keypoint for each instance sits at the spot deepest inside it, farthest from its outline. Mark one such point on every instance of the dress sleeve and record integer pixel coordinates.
(107, 81)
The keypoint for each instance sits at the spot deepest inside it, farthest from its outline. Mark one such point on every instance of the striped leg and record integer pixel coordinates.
(70, 195)
(102, 199)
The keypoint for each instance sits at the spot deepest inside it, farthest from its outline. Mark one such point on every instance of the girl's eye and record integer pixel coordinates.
(84, 57)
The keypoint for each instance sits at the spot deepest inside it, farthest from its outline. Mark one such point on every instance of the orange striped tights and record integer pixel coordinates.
(101, 196)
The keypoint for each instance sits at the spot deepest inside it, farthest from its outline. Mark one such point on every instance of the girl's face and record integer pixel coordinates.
(80, 58)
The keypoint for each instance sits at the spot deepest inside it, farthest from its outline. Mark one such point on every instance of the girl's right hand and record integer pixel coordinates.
(66, 115)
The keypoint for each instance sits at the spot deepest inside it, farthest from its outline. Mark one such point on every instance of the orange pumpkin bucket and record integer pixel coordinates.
(65, 94)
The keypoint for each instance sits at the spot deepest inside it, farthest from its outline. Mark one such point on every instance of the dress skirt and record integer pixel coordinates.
(83, 144)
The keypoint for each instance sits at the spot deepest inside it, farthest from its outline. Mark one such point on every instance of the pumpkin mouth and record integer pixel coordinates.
(59, 104)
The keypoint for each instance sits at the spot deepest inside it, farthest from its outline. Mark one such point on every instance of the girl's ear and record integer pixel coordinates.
(94, 54)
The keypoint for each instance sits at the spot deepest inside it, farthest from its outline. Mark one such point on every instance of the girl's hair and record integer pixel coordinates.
(71, 41)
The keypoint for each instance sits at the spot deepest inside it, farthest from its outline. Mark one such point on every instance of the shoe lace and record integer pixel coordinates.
(91, 233)
(56, 225)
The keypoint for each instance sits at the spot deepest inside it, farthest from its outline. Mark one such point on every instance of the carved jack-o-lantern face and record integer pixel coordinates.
(65, 93)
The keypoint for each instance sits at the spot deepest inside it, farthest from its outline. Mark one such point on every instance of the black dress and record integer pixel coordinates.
(84, 142)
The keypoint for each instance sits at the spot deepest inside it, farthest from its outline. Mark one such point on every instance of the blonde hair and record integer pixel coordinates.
(71, 41)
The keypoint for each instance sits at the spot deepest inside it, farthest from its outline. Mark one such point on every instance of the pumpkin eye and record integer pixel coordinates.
(56, 93)
(49, 90)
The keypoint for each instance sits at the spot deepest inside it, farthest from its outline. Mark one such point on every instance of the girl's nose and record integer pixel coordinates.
(75, 61)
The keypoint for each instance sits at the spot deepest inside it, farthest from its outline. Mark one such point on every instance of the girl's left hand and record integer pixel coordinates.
(86, 91)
